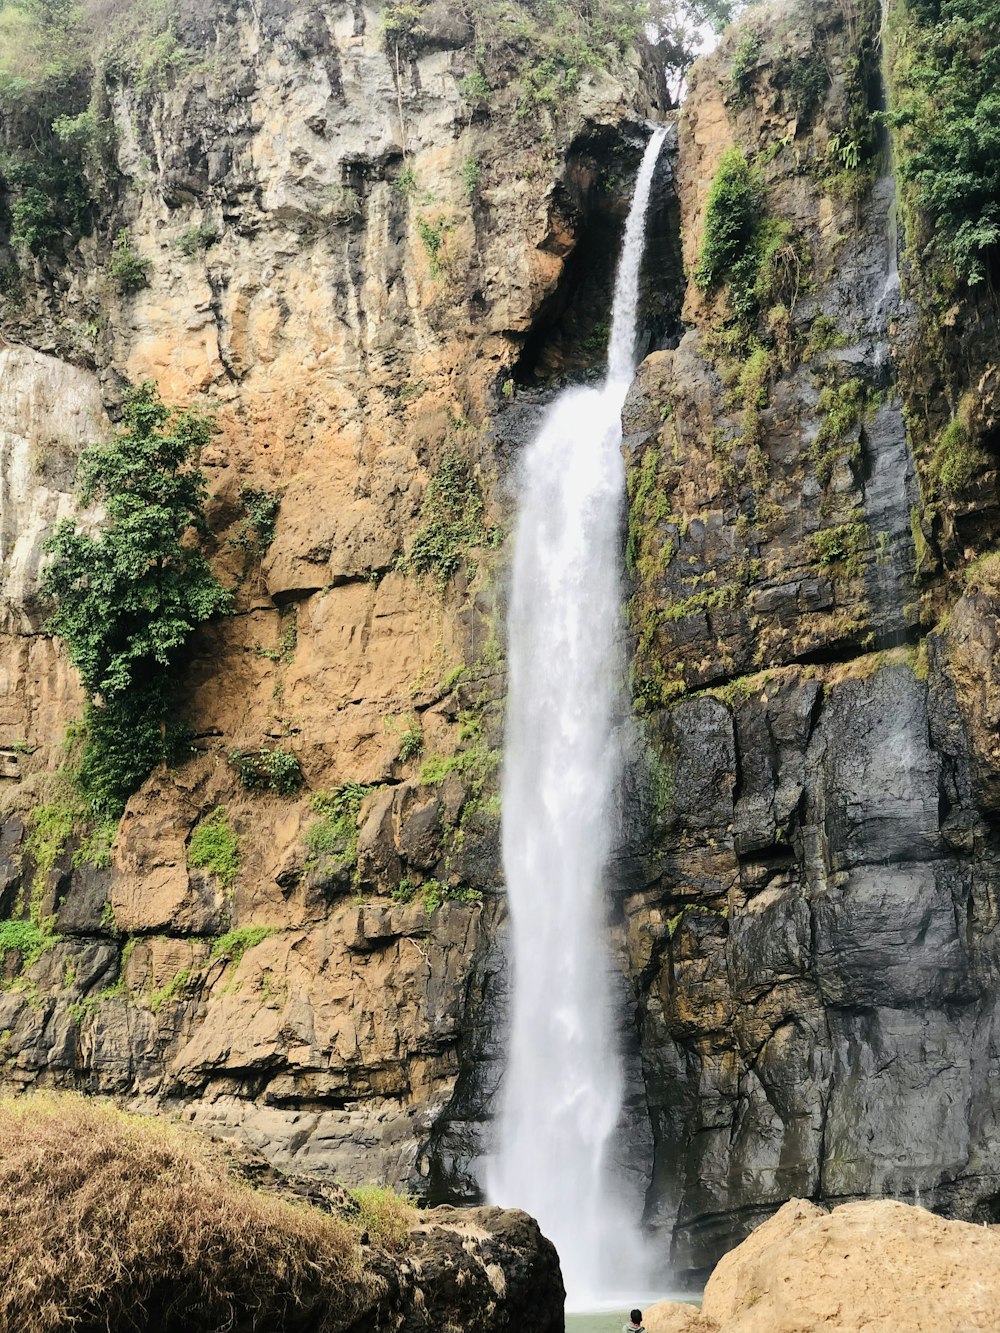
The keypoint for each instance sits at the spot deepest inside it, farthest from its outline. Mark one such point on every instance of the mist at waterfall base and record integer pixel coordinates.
(564, 1082)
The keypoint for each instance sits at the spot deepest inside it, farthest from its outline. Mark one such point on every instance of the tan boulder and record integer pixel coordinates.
(676, 1317)
(874, 1267)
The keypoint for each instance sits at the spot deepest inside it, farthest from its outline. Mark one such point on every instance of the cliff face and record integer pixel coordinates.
(353, 246)
(362, 253)
(809, 926)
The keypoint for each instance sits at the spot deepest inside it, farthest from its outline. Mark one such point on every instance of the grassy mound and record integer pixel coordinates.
(115, 1222)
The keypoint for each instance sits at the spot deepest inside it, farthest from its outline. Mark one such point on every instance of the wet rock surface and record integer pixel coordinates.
(806, 908)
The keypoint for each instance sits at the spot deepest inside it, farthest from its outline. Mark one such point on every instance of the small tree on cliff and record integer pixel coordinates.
(129, 596)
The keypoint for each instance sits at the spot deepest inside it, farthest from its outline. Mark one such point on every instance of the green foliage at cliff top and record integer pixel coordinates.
(129, 595)
(945, 112)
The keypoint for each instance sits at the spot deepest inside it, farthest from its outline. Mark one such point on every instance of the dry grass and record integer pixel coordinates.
(385, 1216)
(115, 1222)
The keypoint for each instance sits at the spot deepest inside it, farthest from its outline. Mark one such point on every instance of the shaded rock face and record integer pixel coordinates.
(807, 879)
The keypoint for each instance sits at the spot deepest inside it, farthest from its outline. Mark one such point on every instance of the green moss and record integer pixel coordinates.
(27, 938)
(824, 336)
(844, 545)
(451, 522)
(96, 848)
(843, 408)
(235, 943)
(51, 827)
(157, 999)
(651, 544)
(215, 847)
(957, 458)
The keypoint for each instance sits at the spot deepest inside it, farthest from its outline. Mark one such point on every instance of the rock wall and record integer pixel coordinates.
(352, 257)
(808, 888)
(365, 267)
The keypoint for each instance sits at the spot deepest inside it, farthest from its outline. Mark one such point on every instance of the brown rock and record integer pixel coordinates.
(676, 1317)
(880, 1267)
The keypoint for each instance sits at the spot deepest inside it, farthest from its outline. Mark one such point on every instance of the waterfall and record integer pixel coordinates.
(563, 1087)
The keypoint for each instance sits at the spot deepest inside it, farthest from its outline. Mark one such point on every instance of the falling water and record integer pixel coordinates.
(564, 1082)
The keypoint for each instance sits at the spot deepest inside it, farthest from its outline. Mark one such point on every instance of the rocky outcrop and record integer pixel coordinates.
(807, 891)
(873, 1266)
(354, 249)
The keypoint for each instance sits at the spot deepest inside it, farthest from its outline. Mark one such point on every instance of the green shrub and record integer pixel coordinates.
(129, 596)
(401, 26)
(743, 71)
(193, 240)
(215, 847)
(433, 236)
(235, 943)
(476, 88)
(127, 270)
(451, 521)
(733, 215)
(386, 1216)
(471, 174)
(434, 894)
(267, 769)
(945, 113)
(803, 81)
(411, 744)
(255, 530)
(335, 833)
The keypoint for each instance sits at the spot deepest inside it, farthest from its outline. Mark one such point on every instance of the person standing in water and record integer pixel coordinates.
(635, 1323)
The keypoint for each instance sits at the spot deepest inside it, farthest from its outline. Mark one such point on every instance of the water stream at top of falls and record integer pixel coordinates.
(564, 1084)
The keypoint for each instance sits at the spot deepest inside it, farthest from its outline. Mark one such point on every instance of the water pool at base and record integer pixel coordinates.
(613, 1320)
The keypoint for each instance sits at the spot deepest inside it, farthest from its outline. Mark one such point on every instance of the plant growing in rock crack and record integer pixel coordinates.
(335, 833)
(128, 270)
(254, 532)
(433, 234)
(235, 943)
(129, 596)
(271, 768)
(215, 847)
(195, 239)
(451, 522)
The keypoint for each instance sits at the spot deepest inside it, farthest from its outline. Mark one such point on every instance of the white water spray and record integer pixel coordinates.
(564, 1082)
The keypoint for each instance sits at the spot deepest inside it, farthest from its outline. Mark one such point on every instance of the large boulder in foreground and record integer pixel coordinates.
(112, 1223)
(879, 1267)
